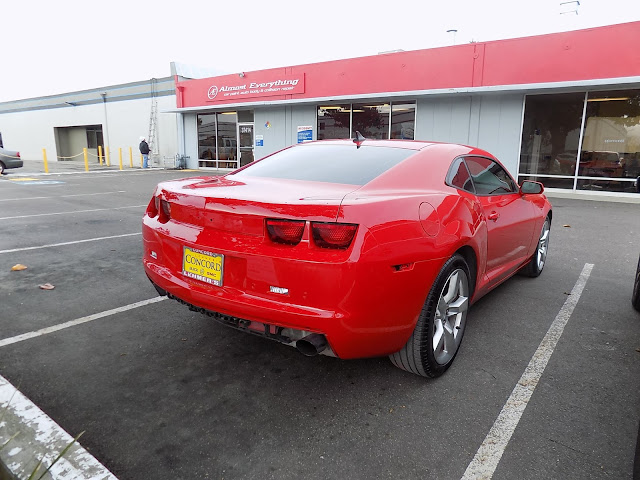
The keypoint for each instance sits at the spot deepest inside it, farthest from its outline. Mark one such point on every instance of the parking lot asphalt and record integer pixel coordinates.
(165, 393)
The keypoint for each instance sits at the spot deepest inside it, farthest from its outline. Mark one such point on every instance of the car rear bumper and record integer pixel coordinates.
(364, 308)
(11, 162)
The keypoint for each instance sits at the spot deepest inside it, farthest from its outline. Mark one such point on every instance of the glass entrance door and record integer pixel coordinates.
(245, 143)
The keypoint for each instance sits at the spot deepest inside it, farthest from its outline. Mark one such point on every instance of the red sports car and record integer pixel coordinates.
(352, 249)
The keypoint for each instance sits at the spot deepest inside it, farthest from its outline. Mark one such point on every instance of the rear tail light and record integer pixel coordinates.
(18, 154)
(161, 207)
(333, 235)
(288, 232)
(166, 209)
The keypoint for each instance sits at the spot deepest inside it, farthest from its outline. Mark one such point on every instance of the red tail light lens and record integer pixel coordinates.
(166, 209)
(288, 232)
(333, 235)
(152, 208)
(18, 154)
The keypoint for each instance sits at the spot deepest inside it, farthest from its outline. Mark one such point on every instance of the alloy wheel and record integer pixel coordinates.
(450, 316)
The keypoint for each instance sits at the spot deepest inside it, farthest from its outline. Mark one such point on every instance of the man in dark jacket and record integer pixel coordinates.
(144, 150)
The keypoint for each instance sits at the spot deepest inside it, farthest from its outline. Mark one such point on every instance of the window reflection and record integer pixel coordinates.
(333, 121)
(207, 140)
(372, 121)
(611, 145)
(551, 133)
(403, 120)
(227, 144)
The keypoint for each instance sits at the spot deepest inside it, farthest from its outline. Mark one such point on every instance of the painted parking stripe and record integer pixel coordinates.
(78, 321)
(71, 212)
(39, 436)
(24, 249)
(488, 456)
(59, 196)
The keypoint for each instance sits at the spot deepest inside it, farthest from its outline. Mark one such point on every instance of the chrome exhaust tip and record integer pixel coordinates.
(312, 344)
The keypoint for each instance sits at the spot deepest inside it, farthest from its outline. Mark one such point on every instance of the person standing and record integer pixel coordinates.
(144, 150)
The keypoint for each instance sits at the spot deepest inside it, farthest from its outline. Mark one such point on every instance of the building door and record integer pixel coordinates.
(245, 143)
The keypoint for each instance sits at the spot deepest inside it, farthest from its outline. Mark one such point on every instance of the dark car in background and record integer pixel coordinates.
(9, 159)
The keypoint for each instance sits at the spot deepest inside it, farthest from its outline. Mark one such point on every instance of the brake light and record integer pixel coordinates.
(166, 209)
(18, 154)
(288, 232)
(152, 208)
(333, 235)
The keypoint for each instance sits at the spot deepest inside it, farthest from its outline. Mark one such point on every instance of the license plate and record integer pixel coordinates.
(203, 266)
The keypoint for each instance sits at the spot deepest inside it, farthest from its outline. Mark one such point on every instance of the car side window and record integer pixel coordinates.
(459, 177)
(489, 178)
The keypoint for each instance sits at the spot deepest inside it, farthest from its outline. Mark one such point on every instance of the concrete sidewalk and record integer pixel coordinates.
(33, 167)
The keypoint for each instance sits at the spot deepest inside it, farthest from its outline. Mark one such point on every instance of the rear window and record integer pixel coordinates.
(328, 163)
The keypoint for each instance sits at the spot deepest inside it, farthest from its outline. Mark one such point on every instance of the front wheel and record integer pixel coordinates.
(536, 264)
(436, 339)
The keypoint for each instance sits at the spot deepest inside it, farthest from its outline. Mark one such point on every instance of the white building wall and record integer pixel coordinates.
(490, 122)
(126, 121)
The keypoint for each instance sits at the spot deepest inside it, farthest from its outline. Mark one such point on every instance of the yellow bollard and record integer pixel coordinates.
(86, 160)
(100, 154)
(107, 156)
(130, 157)
(44, 157)
(141, 161)
(120, 155)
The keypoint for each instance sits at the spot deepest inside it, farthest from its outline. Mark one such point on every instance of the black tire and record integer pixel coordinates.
(635, 297)
(419, 356)
(539, 258)
(2, 167)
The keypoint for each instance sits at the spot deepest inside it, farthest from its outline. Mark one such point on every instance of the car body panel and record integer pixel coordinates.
(365, 299)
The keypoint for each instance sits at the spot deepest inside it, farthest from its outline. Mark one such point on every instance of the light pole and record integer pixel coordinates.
(454, 31)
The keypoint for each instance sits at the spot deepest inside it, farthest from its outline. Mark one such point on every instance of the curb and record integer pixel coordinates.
(38, 436)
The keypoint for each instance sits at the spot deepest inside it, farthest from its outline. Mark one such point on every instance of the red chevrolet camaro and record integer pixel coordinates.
(351, 249)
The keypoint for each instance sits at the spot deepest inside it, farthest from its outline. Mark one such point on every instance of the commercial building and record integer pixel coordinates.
(563, 109)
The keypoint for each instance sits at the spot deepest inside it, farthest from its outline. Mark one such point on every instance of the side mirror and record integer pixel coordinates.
(529, 187)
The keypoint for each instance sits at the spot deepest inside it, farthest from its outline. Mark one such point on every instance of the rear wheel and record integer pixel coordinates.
(436, 339)
(635, 298)
(2, 167)
(536, 264)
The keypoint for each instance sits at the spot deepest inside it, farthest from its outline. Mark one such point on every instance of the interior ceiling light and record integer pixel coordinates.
(331, 107)
(227, 113)
(608, 99)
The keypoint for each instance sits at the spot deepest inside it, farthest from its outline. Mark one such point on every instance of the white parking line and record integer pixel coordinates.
(40, 437)
(60, 196)
(488, 456)
(78, 321)
(75, 211)
(24, 249)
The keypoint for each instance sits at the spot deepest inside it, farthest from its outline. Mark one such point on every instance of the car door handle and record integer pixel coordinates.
(494, 216)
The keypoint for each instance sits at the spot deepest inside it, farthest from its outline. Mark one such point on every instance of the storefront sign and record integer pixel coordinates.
(305, 133)
(259, 140)
(249, 88)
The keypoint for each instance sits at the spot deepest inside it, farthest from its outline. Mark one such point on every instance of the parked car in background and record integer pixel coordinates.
(9, 159)
(354, 250)
(635, 297)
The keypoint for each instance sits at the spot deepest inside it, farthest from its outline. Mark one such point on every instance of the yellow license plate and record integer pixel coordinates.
(203, 266)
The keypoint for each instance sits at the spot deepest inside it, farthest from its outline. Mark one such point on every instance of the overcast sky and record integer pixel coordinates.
(61, 46)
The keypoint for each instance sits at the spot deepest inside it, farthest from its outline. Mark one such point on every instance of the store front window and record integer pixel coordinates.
(603, 156)
(610, 154)
(334, 121)
(207, 140)
(373, 120)
(218, 135)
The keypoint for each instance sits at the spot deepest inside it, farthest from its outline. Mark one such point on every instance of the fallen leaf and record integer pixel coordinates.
(47, 286)
(566, 226)
(18, 267)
